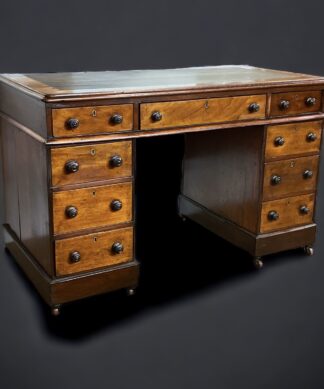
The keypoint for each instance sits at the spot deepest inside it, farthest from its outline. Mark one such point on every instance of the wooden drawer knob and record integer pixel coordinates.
(156, 116)
(275, 180)
(75, 256)
(72, 123)
(304, 210)
(273, 215)
(71, 211)
(284, 104)
(116, 161)
(279, 141)
(116, 205)
(117, 248)
(254, 107)
(116, 119)
(311, 137)
(308, 174)
(71, 166)
(310, 101)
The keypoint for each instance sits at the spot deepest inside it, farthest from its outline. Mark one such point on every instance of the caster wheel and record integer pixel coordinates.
(183, 218)
(258, 263)
(56, 310)
(309, 250)
(130, 292)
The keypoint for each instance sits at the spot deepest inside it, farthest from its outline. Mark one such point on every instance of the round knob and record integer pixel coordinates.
(254, 107)
(304, 209)
(75, 257)
(156, 116)
(310, 101)
(72, 123)
(275, 180)
(116, 161)
(71, 166)
(71, 212)
(279, 141)
(116, 205)
(273, 215)
(116, 119)
(308, 174)
(311, 137)
(117, 248)
(284, 104)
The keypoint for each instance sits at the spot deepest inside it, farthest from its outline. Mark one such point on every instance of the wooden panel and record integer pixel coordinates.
(297, 103)
(201, 111)
(295, 139)
(10, 176)
(292, 177)
(222, 172)
(94, 162)
(93, 205)
(94, 249)
(92, 120)
(289, 212)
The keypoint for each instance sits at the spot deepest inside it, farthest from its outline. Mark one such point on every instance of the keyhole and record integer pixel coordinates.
(93, 152)
(95, 239)
(206, 104)
(94, 113)
(93, 193)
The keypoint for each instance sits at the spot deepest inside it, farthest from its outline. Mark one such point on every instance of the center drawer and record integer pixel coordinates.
(99, 206)
(201, 111)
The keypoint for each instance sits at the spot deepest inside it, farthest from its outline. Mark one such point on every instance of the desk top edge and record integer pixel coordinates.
(98, 84)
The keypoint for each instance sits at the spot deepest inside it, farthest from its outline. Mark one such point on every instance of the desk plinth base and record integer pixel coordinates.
(256, 245)
(57, 291)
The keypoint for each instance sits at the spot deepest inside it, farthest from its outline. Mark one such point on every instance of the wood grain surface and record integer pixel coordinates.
(289, 212)
(93, 205)
(201, 111)
(295, 136)
(94, 162)
(291, 173)
(95, 251)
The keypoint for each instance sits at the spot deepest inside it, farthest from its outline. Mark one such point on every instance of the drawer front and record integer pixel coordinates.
(78, 209)
(292, 103)
(93, 251)
(288, 177)
(287, 213)
(92, 120)
(293, 139)
(79, 164)
(201, 111)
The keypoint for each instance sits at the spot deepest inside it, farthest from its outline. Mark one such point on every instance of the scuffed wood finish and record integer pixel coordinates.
(297, 103)
(94, 163)
(201, 111)
(94, 207)
(95, 251)
(289, 212)
(93, 120)
(295, 136)
(222, 172)
(291, 173)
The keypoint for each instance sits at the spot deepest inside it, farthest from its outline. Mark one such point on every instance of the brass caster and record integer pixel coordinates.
(56, 310)
(130, 291)
(258, 263)
(309, 250)
(183, 218)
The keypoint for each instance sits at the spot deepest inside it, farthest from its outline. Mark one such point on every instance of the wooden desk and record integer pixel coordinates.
(250, 166)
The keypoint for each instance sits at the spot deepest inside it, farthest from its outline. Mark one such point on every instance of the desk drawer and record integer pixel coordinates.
(293, 139)
(71, 165)
(92, 120)
(294, 103)
(79, 209)
(289, 177)
(286, 213)
(93, 251)
(201, 111)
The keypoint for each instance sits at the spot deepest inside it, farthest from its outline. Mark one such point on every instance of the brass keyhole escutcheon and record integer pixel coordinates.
(206, 105)
(93, 193)
(93, 152)
(94, 113)
(95, 239)
(292, 163)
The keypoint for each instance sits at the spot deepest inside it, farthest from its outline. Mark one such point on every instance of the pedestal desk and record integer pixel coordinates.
(250, 166)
